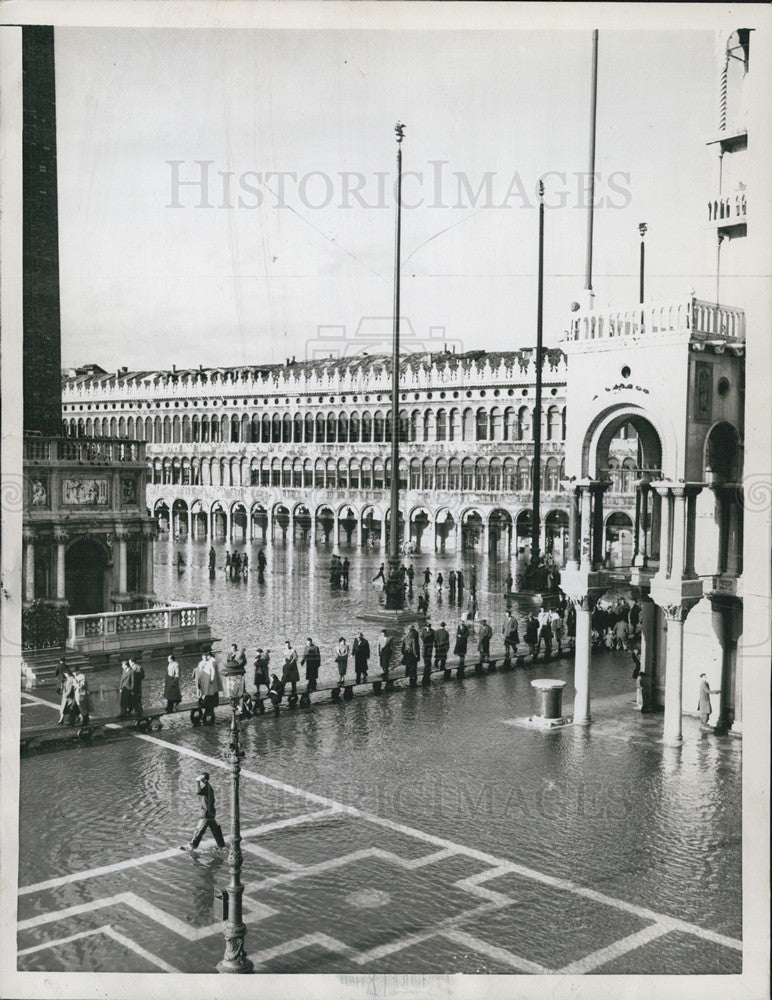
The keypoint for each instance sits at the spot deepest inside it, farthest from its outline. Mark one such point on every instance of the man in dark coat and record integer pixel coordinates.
(532, 633)
(385, 647)
(410, 652)
(361, 651)
(511, 635)
(451, 586)
(460, 583)
(484, 641)
(427, 576)
(441, 646)
(208, 815)
(262, 660)
(473, 582)
(312, 660)
(344, 573)
(427, 641)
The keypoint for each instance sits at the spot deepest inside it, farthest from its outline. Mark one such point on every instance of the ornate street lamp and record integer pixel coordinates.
(395, 599)
(235, 958)
(642, 227)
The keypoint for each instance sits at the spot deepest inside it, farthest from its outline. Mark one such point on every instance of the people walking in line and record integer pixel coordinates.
(385, 648)
(441, 646)
(208, 817)
(289, 670)
(172, 692)
(312, 660)
(361, 651)
(341, 659)
(126, 690)
(462, 640)
(261, 676)
(704, 707)
(484, 641)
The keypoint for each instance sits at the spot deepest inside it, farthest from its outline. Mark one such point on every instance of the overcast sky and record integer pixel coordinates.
(152, 277)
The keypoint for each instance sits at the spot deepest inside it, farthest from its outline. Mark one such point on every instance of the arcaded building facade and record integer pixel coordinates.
(301, 451)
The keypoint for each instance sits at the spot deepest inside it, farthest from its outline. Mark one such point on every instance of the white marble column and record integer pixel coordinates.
(672, 731)
(29, 565)
(664, 531)
(678, 554)
(582, 659)
(120, 556)
(148, 535)
(60, 537)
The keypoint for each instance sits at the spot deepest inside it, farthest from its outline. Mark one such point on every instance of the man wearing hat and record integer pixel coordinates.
(208, 813)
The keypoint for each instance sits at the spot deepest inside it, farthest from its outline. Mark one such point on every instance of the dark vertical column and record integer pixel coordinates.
(42, 328)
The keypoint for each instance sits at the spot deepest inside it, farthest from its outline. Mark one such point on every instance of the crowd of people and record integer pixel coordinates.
(615, 624)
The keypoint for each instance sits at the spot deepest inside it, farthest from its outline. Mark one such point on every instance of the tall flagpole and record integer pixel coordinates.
(591, 206)
(395, 598)
(535, 513)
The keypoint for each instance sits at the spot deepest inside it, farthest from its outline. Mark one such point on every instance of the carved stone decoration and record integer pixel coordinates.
(39, 493)
(676, 612)
(86, 492)
(128, 491)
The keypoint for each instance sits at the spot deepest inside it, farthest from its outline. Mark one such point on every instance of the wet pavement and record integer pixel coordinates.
(425, 830)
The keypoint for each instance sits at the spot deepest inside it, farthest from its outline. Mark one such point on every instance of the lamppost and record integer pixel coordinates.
(642, 227)
(395, 597)
(235, 958)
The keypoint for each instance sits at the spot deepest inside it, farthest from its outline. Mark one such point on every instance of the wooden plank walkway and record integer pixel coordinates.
(328, 693)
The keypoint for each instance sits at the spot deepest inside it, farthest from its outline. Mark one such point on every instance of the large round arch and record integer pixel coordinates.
(419, 520)
(500, 527)
(658, 442)
(445, 525)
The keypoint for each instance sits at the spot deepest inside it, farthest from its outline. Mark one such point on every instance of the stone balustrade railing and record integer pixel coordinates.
(691, 316)
(321, 378)
(728, 209)
(123, 631)
(100, 451)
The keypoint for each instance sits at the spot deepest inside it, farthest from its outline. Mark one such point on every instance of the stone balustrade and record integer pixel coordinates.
(121, 632)
(694, 317)
(101, 451)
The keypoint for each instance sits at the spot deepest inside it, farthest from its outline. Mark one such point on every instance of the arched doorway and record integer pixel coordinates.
(619, 540)
(555, 535)
(500, 530)
(85, 584)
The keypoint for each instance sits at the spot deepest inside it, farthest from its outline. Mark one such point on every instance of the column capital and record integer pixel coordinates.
(29, 535)
(61, 535)
(121, 532)
(584, 602)
(599, 485)
(676, 612)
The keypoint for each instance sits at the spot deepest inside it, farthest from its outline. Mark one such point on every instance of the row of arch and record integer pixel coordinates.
(465, 475)
(454, 424)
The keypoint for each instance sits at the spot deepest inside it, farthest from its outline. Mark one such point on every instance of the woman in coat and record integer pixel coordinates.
(462, 639)
(289, 670)
(172, 692)
(532, 634)
(82, 696)
(341, 658)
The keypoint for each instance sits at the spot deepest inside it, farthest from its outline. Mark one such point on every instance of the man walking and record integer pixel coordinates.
(208, 814)
(312, 660)
(361, 651)
(484, 642)
(441, 646)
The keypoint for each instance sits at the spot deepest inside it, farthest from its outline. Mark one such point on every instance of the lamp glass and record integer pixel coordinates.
(234, 684)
